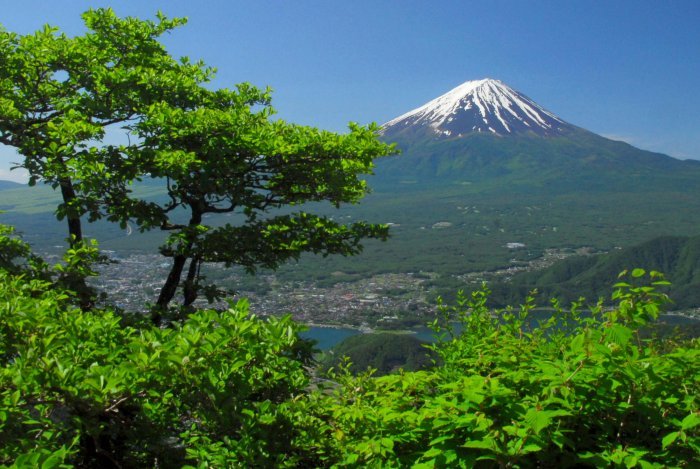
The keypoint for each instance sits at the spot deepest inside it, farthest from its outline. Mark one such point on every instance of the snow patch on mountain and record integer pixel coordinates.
(480, 106)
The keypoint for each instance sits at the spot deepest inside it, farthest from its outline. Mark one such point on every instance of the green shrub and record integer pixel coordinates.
(79, 388)
(227, 389)
(580, 389)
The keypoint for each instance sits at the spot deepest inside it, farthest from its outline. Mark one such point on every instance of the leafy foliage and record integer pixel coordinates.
(578, 389)
(226, 388)
(81, 388)
(99, 390)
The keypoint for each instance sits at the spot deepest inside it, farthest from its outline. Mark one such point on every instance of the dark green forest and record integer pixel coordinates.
(382, 352)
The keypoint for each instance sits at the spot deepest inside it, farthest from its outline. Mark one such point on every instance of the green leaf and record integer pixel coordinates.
(690, 421)
(55, 460)
(618, 334)
(577, 343)
(531, 447)
(432, 452)
(431, 464)
(537, 420)
(486, 443)
(636, 273)
(387, 443)
(440, 439)
(669, 439)
(450, 456)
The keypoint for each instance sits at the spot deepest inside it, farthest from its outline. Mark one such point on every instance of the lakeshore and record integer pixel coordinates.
(328, 335)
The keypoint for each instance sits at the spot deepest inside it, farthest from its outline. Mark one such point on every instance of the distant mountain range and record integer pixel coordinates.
(593, 276)
(9, 185)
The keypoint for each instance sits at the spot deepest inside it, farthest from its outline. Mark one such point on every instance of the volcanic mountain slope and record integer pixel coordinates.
(484, 130)
(478, 106)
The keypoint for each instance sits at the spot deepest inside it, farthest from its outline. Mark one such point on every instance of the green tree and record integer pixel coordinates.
(225, 155)
(60, 94)
(217, 151)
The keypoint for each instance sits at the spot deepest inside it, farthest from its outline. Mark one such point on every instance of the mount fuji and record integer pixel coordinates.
(485, 131)
(487, 105)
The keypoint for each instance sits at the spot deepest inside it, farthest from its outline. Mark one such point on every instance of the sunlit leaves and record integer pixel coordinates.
(225, 388)
(207, 389)
(594, 393)
(225, 155)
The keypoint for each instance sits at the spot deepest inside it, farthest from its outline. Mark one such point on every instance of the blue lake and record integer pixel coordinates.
(327, 337)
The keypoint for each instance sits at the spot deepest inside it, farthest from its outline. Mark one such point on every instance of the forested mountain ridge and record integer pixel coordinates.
(592, 276)
(9, 185)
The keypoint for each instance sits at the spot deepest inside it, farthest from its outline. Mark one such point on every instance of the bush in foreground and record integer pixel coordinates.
(579, 389)
(80, 388)
(229, 389)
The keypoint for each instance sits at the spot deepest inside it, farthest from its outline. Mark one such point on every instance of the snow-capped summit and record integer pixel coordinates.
(487, 106)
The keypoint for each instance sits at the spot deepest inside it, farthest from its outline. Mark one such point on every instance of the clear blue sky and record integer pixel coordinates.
(628, 70)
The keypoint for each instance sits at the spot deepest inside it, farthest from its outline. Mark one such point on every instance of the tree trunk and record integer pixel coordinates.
(75, 282)
(191, 289)
(170, 287)
(173, 281)
(75, 229)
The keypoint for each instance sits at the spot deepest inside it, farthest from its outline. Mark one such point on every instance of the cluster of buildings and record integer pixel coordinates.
(388, 300)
